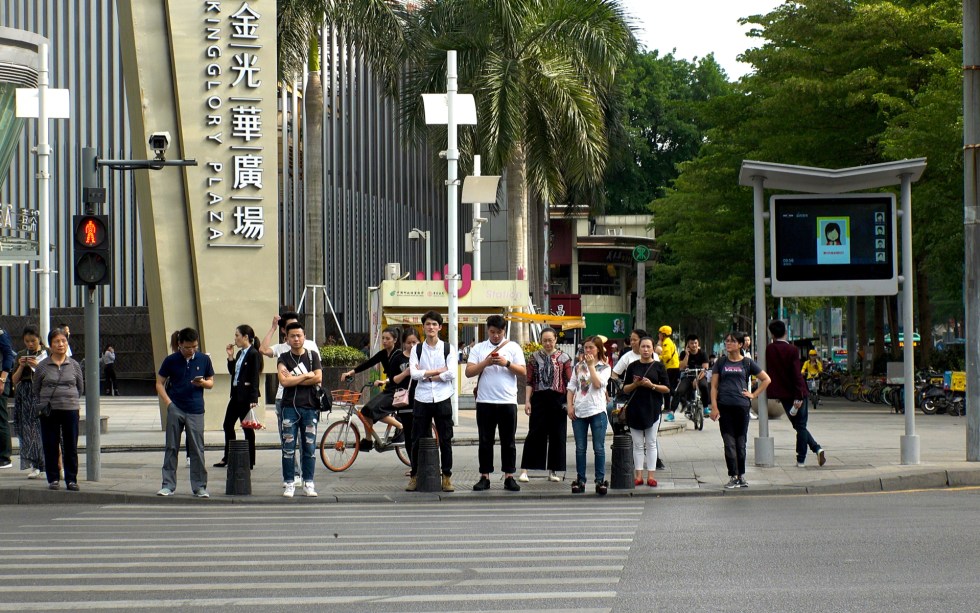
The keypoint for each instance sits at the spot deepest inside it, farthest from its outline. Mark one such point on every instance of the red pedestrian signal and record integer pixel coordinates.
(92, 250)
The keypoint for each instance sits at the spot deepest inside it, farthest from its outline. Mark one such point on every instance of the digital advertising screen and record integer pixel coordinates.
(836, 245)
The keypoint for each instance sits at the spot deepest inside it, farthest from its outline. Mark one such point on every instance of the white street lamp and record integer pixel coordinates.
(416, 234)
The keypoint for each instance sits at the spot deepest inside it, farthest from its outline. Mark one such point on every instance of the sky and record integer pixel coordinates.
(696, 28)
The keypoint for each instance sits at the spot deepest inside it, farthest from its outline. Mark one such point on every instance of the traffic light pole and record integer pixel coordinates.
(92, 296)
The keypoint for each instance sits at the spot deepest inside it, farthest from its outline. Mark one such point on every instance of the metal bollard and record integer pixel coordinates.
(429, 474)
(622, 463)
(239, 480)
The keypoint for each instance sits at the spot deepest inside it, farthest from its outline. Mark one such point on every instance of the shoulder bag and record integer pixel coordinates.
(621, 415)
(44, 410)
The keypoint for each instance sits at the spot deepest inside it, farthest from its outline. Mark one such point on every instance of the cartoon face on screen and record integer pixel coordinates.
(833, 240)
(879, 218)
(831, 233)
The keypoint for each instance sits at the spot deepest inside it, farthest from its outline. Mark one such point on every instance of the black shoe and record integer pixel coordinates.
(366, 445)
(221, 464)
(482, 485)
(72, 486)
(509, 484)
(732, 484)
(742, 483)
(399, 437)
(54, 485)
(660, 464)
(577, 487)
(602, 488)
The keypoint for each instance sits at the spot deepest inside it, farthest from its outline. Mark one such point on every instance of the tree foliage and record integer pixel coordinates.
(836, 83)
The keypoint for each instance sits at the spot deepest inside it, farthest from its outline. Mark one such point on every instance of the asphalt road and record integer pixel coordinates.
(914, 551)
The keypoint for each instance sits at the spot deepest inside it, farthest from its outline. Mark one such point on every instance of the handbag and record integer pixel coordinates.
(44, 410)
(324, 399)
(401, 398)
(621, 415)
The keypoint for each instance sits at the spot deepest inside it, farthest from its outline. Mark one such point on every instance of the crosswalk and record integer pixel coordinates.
(527, 556)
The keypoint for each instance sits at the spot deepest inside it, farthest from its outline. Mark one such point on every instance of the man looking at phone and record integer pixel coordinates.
(497, 362)
(181, 382)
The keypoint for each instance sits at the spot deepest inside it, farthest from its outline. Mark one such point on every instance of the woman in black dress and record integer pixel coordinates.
(390, 357)
(26, 415)
(244, 368)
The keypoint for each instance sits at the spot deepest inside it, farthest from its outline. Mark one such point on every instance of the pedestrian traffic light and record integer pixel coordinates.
(93, 250)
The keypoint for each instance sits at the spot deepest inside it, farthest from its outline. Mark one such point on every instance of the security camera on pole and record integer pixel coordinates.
(92, 260)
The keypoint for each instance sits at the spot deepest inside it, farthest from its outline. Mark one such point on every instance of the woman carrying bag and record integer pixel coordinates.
(58, 384)
(244, 369)
(647, 383)
(380, 407)
(548, 373)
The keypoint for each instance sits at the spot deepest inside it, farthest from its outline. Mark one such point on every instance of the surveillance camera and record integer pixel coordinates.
(159, 142)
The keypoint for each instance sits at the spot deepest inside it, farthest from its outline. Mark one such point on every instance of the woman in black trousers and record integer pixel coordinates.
(245, 369)
(548, 372)
(58, 382)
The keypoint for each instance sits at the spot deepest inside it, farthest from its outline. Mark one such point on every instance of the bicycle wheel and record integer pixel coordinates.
(697, 415)
(340, 445)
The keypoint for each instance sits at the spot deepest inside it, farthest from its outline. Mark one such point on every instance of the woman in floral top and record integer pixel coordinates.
(548, 372)
(587, 410)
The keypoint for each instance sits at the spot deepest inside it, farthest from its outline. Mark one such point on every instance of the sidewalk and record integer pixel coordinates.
(861, 442)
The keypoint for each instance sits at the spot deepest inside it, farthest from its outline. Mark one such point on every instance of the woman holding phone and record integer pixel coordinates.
(646, 384)
(26, 415)
(586, 398)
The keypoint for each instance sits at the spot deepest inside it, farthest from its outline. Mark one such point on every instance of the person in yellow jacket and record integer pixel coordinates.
(813, 366)
(671, 361)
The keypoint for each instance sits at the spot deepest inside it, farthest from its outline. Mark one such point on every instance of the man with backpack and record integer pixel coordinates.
(433, 365)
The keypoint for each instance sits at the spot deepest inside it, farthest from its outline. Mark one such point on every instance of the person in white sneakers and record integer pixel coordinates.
(299, 373)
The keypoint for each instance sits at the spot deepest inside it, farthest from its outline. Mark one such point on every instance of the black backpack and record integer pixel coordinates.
(445, 352)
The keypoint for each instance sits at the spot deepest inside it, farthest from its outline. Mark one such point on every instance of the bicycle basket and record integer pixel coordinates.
(345, 396)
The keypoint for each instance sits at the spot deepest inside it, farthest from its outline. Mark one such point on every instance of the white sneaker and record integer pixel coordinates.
(165, 491)
(753, 415)
(34, 474)
(309, 490)
(289, 491)
(523, 478)
(297, 481)
(801, 465)
(554, 477)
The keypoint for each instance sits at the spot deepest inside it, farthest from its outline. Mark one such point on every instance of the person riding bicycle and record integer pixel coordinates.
(668, 356)
(380, 408)
(692, 357)
(812, 367)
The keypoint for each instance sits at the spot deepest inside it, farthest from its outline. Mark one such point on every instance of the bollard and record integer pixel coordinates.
(239, 480)
(429, 475)
(622, 463)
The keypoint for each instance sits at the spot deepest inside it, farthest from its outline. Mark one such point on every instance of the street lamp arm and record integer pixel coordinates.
(142, 164)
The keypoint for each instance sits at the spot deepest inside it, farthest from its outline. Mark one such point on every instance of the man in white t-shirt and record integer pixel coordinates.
(279, 323)
(498, 362)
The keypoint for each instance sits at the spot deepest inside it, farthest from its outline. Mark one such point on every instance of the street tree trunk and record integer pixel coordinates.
(517, 218)
(313, 194)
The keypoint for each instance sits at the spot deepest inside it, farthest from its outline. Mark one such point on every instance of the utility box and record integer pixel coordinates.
(393, 271)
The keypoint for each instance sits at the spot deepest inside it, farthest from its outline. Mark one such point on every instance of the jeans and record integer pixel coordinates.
(193, 425)
(489, 418)
(580, 428)
(546, 432)
(734, 424)
(298, 469)
(803, 437)
(60, 428)
(294, 421)
(424, 414)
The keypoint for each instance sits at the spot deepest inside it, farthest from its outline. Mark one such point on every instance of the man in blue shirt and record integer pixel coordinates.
(7, 359)
(181, 382)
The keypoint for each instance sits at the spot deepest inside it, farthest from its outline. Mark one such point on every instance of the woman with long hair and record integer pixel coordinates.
(409, 339)
(731, 400)
(58, 384)
(646, 384)
(390, 357)
(26, 415)
(548, 373)
(586, 398)
(244, 368)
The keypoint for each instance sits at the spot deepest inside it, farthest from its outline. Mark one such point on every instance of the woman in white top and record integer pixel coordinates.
(587, 409)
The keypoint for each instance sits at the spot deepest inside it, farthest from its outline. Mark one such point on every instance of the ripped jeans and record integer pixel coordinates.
(294, 421)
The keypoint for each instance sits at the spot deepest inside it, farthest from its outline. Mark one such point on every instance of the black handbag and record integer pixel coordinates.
(324, 399)
(44, 410)
(621, 415)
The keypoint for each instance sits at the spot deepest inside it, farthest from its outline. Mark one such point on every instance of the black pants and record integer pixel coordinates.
(734, 424)
(489, 419)
(59, 432)
(238, 410)
(684, 388)
(111, 381)
(804, 439)
(546, 434)
(6, 445)
(442, 414)
(673, 377)
(408, 421)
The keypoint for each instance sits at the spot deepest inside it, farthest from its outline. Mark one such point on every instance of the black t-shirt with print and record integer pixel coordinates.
(300, 396)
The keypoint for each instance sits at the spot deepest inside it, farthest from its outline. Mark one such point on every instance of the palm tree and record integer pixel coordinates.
(542, 73)
(372, 29)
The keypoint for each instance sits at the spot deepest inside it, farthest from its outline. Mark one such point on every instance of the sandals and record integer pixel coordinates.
(578, 487)
(602, 488)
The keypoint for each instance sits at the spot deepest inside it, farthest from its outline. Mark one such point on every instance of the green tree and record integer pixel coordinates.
(542, 72)
(836, 83)
(660, 106)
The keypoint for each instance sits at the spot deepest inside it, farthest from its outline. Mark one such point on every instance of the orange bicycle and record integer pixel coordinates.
(341, 441)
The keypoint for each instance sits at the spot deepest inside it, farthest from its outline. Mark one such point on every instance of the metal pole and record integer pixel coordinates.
(910, 441)
(477, 224)
(851, 332)
(765, 451)
(44, 196)
(452, 156)
(971, 223)
(641, 296)
(428, 254)
(93, 414)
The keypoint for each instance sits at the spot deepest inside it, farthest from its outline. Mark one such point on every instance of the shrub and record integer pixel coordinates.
(529, 348)
(340, 355)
